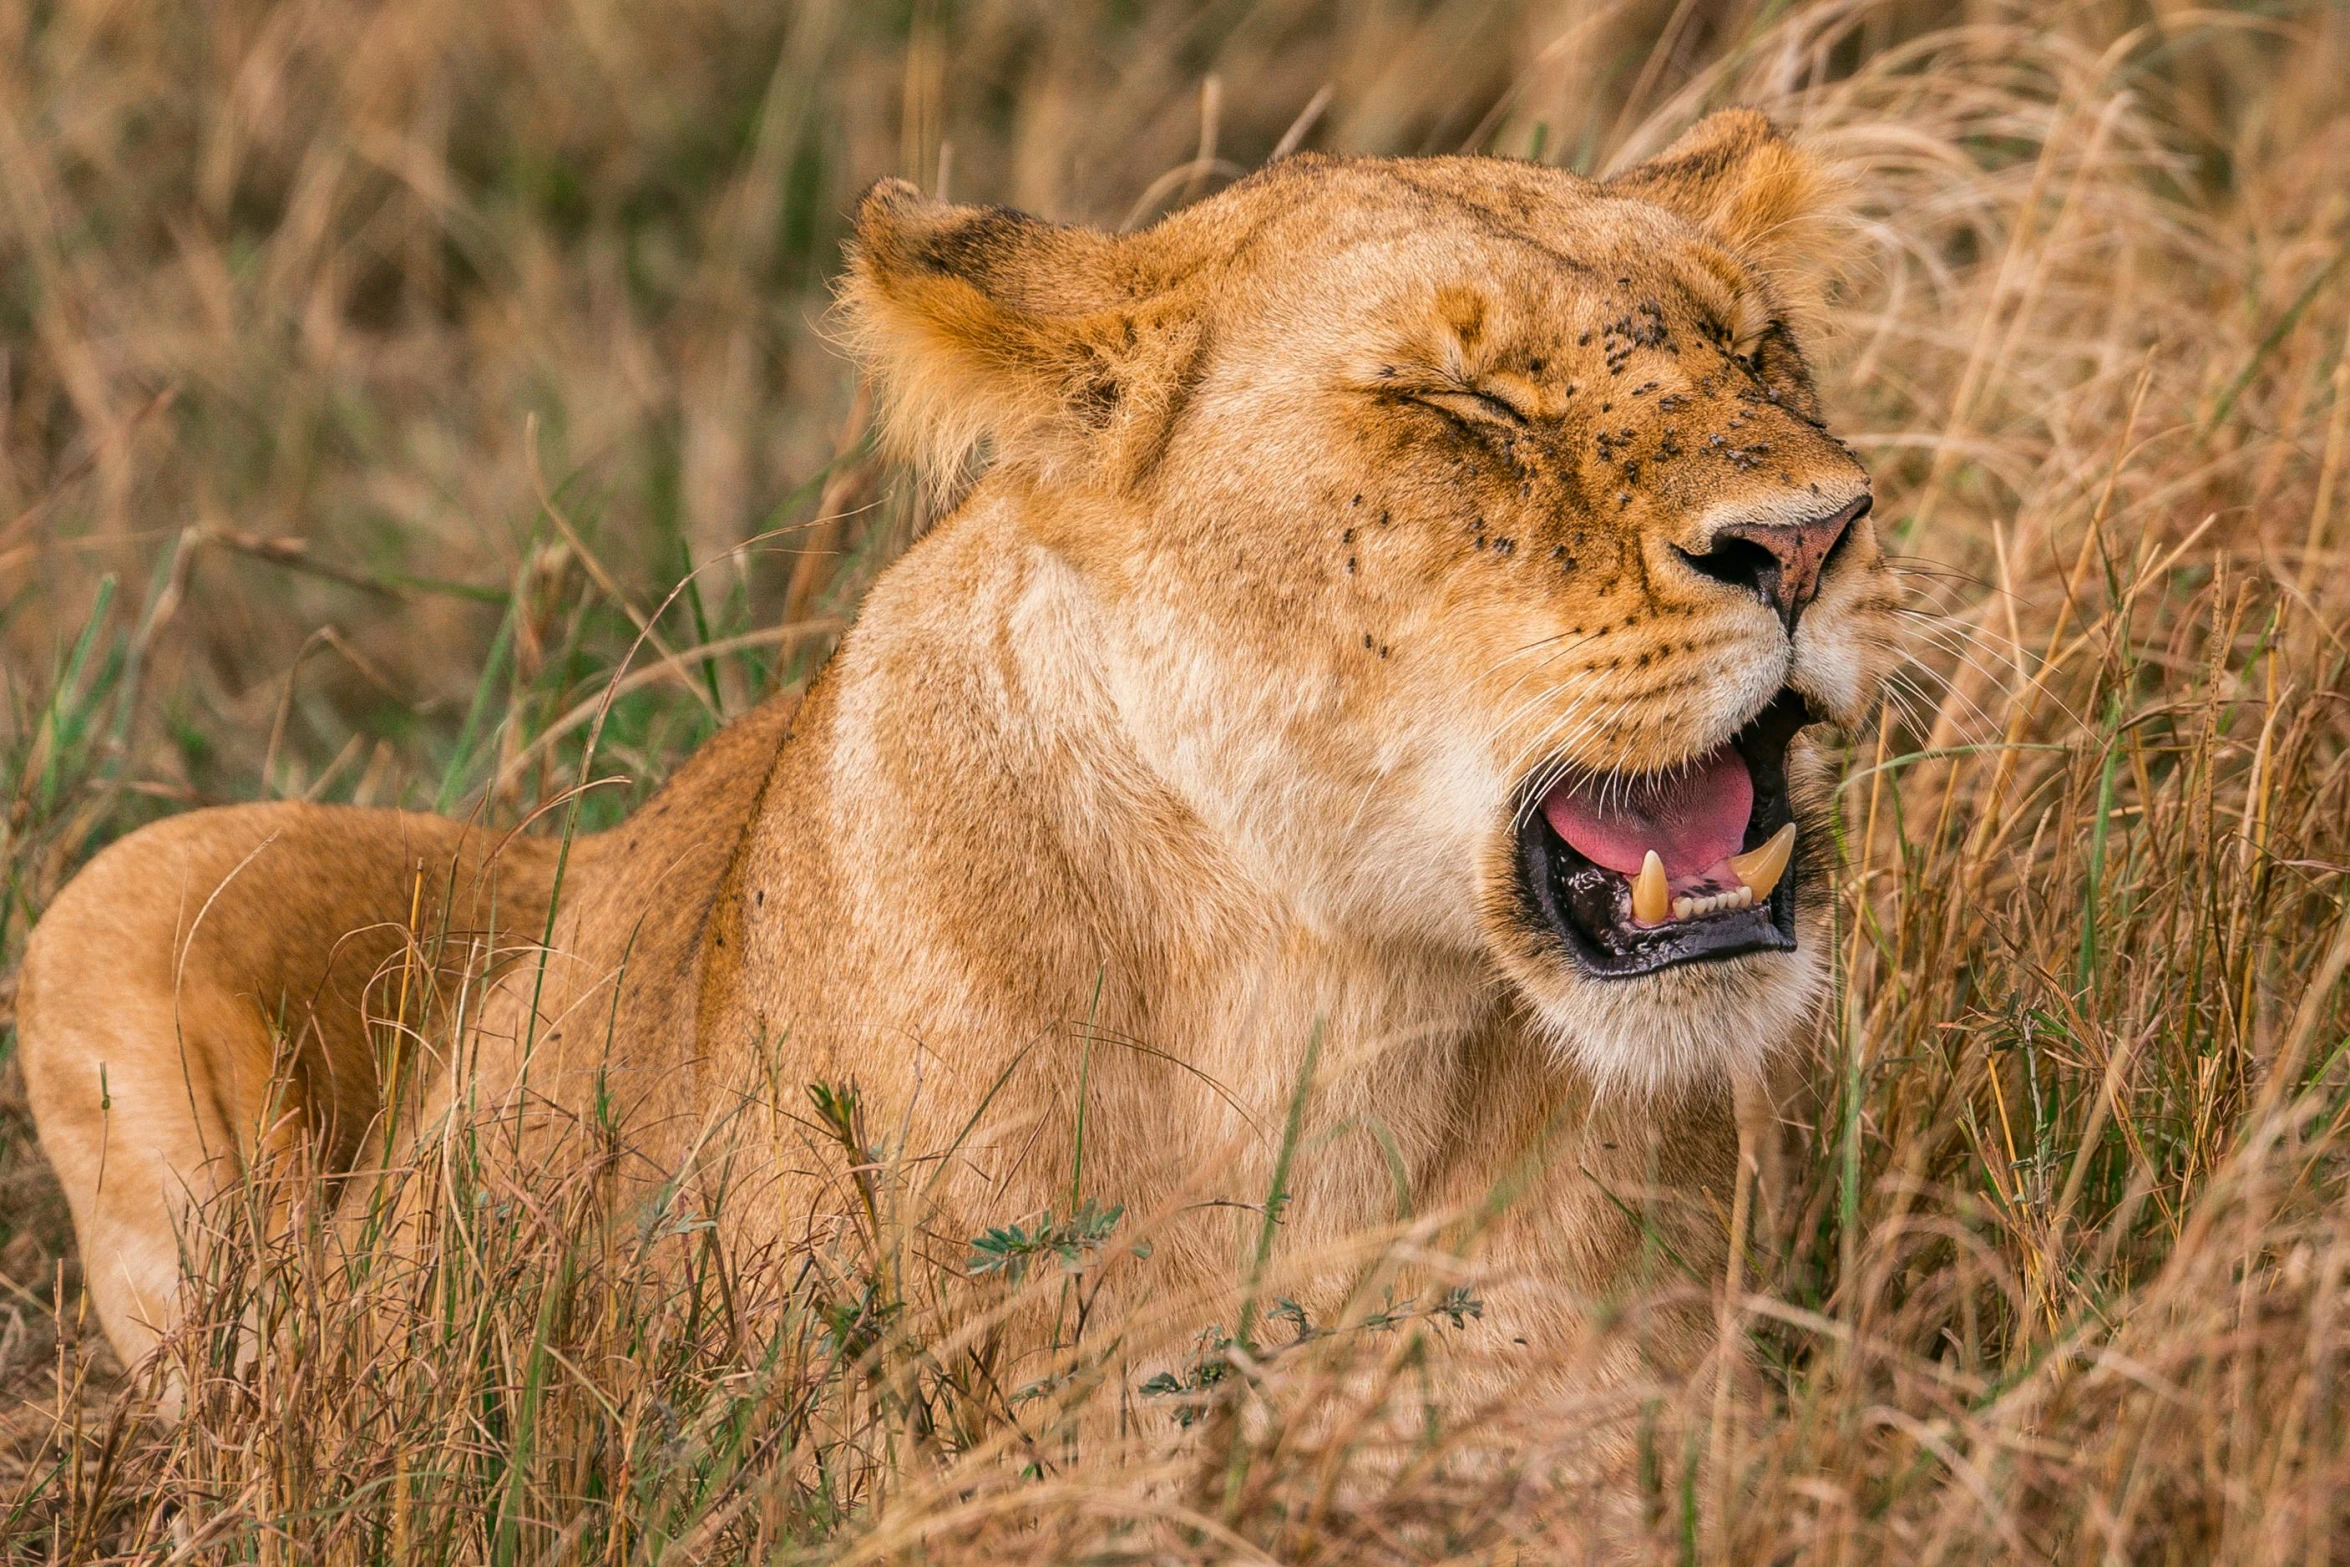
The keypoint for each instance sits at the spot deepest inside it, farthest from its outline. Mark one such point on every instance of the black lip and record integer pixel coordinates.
(1582, 906)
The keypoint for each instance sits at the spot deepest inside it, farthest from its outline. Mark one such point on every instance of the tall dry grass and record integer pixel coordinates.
(371, 372)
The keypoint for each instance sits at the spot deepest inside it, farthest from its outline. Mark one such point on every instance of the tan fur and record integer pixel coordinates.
(1194, 732)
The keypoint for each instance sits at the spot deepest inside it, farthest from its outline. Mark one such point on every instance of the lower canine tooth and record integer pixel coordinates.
(1652, 895)
(1761, 866)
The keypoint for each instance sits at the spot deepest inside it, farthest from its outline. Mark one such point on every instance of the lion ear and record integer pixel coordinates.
(1734, 176)
(989, 331)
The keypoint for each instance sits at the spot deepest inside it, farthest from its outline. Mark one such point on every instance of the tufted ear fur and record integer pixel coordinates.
(1766, 200)
(990, 331)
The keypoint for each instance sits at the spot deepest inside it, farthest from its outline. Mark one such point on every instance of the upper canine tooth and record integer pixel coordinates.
(1652, 897)
(1761, 867)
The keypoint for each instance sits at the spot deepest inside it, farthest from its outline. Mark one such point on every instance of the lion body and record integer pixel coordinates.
(1181, 758)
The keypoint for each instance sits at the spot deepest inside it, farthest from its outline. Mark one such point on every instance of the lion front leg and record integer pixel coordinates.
(210, 995)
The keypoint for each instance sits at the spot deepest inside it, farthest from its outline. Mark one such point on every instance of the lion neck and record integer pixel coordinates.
(1054, 877)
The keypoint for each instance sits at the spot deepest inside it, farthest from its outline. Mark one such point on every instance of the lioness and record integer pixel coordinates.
(1382, 627)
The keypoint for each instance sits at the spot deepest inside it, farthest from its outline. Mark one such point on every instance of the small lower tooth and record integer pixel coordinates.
(1700, 905)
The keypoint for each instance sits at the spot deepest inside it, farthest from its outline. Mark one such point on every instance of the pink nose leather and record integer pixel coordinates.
(1800, 548)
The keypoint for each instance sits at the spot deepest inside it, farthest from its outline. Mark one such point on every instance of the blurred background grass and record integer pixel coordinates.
(372, 376)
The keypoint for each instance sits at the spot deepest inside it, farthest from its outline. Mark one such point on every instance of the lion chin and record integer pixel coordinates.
(1375, 672)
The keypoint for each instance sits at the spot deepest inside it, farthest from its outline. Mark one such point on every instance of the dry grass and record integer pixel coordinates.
(369, 369)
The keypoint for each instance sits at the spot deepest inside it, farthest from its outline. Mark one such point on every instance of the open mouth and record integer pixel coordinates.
(1635, 872)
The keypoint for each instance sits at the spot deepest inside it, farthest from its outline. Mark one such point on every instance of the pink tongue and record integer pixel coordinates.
(1692, 816)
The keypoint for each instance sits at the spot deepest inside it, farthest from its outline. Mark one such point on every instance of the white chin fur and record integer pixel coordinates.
(1685, 1025)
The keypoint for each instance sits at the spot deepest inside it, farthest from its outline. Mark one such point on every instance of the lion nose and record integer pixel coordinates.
(1780, 561)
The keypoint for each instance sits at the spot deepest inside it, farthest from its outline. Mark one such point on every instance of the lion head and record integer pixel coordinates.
(1473, 542)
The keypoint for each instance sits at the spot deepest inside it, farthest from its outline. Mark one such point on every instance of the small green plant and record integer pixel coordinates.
(1220, 1358)
(1008, 1249)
